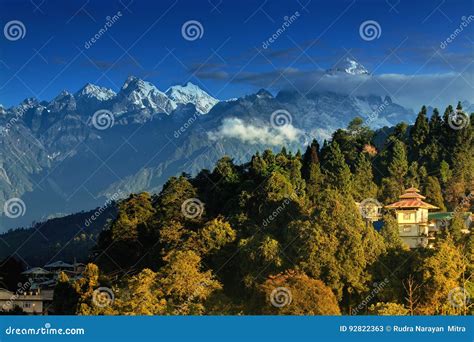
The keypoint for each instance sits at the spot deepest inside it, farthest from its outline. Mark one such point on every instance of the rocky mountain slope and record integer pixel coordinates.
(75, 151)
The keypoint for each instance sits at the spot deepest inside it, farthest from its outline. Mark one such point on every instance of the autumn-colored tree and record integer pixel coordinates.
(185, 286)
(141, 296)
(388, 309)
(216, 234)
(441, 275)
(294, 293)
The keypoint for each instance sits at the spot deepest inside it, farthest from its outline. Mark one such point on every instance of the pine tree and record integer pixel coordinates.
(338, 175)
(435, 149)
(419, 136)
(310, 157)
(433, 193)
(364, 186)
(397, 167)
(390, 232)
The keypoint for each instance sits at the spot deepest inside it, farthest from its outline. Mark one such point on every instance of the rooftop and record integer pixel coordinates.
(411, 199)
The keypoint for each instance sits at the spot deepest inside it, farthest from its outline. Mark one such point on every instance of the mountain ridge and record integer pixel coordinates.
(58, 162)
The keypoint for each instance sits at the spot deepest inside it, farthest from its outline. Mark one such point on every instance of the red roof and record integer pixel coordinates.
(411, 203)
(412, 195)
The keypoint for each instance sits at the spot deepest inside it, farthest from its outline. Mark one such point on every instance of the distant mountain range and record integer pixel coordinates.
(58, 160)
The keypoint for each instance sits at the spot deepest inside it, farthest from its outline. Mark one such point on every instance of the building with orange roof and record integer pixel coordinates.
(412, 218)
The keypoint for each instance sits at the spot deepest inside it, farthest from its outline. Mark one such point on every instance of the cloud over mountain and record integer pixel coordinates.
(256, 133)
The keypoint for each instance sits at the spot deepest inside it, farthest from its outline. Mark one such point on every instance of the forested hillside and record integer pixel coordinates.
(282, 234)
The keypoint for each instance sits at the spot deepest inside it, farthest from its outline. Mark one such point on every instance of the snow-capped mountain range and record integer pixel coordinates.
(58, 162)
(348, 66)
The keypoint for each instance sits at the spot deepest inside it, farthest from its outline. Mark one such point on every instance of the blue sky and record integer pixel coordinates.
(229, 60)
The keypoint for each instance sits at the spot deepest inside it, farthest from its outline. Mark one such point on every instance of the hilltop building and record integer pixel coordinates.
(416, 225)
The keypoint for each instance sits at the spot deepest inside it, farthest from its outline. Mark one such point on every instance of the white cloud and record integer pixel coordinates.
(256, 133)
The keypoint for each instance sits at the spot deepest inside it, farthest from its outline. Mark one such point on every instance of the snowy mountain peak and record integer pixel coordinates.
(142, 95)
(136, 84)
(94, 91)
(349, 66)
(191, 93)
(264, 94)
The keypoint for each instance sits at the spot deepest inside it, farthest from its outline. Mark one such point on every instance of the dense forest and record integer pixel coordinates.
(282, 234)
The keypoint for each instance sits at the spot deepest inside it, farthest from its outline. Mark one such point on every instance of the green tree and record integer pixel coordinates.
(433, 193)
(65, 297)
(364, 186)
(336, 171)
(390, 232)
(419, 136)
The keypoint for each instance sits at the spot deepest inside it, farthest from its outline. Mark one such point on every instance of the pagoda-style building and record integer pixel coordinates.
(412, 218)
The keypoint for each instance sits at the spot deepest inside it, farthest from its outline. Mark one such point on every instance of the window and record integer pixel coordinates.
(406, 216)
(407, 229)
(27, 305)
